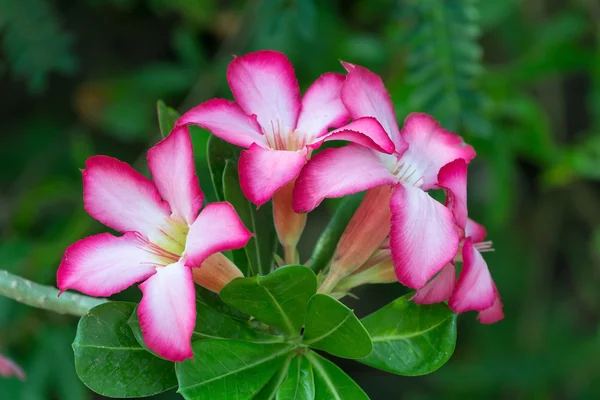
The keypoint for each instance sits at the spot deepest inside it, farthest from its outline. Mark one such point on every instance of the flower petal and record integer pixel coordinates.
(430, 147)
(10, 368)
(439, 288)
(322, 107)
(122, 198)
(423, 237)
(265, 171)
(475, 289)
(167, 312)
(171, 163)
(217, 228)
(102, 265)
(493, 314)
(365, 95)
(336, 173)
(365, 131)
(453, 178)
(264, 84)
(226, 120)
(475, 231)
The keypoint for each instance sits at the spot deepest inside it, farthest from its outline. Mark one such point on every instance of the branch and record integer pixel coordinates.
(46, 297)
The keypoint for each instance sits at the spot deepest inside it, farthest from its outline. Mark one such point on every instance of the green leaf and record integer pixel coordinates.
(166, 117)
(334, 328)
(211, 324)
(330, 237)
(213, 300)
(229, 370)
(410, 339)
(218, 152)
(111, 362)
(278, 299)
(331, 383)
(260, 248)
(269, 391)
(299, 383)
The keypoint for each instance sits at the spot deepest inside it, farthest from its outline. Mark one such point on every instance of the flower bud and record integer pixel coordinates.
(366, 231)
(216, 272)
(380, 273)
(289, 225)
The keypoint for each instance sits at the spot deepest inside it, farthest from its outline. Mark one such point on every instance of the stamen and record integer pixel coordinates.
(155, 250)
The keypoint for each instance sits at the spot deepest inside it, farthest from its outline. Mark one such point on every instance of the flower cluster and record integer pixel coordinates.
(399, 232)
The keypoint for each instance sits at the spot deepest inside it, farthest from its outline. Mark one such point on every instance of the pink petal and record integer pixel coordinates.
(171, 164)
(423, 237)
(365, 131)
(365, 95)
(336, 173)
(475, 231)
(264, 84)
(9, 368)
(475, 289)
(217, 228)
(226, 120)
(122, 198)
(167, 312)
(493, 314)
(102, 265)
(265, 171)
(322, 107)
(453, 178)
(439, 288)
(430, 147)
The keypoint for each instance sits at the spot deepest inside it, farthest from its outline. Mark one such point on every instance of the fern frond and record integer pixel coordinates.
(33, 42)
(444, 62)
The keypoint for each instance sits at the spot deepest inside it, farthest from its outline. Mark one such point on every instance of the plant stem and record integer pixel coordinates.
(46, 297)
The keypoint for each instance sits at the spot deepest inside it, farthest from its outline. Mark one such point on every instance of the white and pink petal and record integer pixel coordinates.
(475, 289)
(493, 314)
(167, 312)
(122, 198)
(171, 163)
(322, 107)
(337, 172)
(423, 236)
(103, 264)
(226, 120)
(430, 147)
(264, 171)
(439, 288)
(365, 131)
(475, 231)
(264, 84)
(217, 228)
(453, 178)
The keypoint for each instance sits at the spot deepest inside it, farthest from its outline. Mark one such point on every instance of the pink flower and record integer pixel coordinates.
(277, 127)
(475, 289)
(9, 368)
(163, 235)
(423, 236)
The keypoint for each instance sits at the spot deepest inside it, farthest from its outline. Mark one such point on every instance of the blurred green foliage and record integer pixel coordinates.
(520, 80)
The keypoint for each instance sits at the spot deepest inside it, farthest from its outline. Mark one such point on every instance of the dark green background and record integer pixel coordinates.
(520, 80)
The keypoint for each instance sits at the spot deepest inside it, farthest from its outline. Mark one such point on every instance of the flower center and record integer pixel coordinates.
(168, 242)
(284, 138)
(403, 169)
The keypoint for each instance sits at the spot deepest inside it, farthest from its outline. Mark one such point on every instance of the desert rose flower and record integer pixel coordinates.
(279, 128)
(163, 238)
(423, 236)
(475, 289)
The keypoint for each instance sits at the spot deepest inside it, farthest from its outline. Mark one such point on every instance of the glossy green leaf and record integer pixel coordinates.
(269, 391)
(330, 237)
(331, 383)
(410, 339)
(229, 370)
(218, 152)
(278, 299)
(260, 248)
(166, 117)
(110, 361)
(214, 301)
(211, 324)
(299, 383)
(334, 328)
